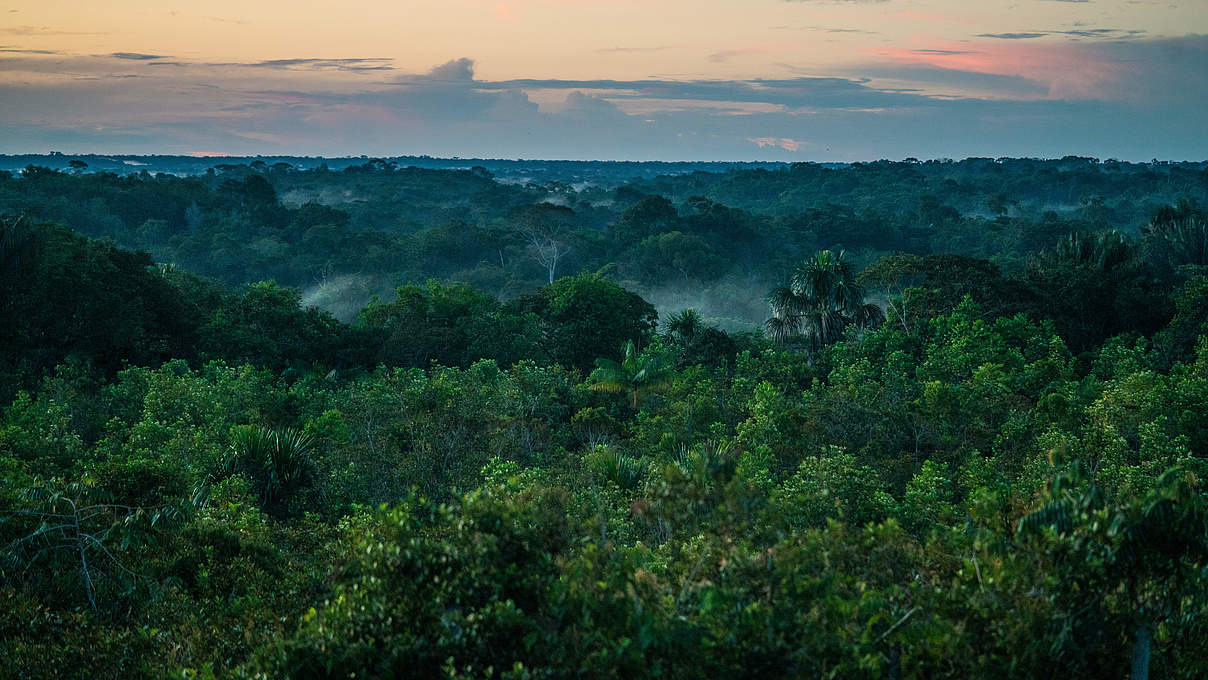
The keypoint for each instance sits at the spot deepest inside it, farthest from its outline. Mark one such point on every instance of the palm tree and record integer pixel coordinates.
(634, 372)
(1180, 241)
(278, 461)
(1105, 252)
(609, 464)
(682, 328)
(820, 302)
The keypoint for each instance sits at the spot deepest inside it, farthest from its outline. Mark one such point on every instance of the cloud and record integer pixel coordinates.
(322, 64)
(41, 31)
(720, 95)
(987, 98)
(786, 143)
(951, 81)
(1112, 33)
(824, 29)
(1099, 33)
(1118, 70)
(1012, 36)
(726, 55)
(136, 56)
(457, 70)
(627, 50)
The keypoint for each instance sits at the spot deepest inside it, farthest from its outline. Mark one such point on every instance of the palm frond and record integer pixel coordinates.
(611, 465)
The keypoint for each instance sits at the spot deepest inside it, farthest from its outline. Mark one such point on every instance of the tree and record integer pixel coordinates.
(695, 342)
(635, 372)
(1093, 286)
(1180, 241)
(997, 203)
(924, 287)
(1137, 561)
(688, 254)
(64, 295)
(584, 317)
(820, 302)
(545, 227)
(1177, 341)
(81, 528)
(894, 274)
(278, 462)
(453, 325)
(1104, 251)
(683, 327)
(268, 325)
(650, 216)
(462, 590)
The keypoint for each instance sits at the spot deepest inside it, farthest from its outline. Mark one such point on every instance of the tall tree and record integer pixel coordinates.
(820, 302)
(546, 228)
(635, 372)
(585, 316)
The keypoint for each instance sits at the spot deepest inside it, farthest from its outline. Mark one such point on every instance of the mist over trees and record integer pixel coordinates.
(912, 420)
(714, 241)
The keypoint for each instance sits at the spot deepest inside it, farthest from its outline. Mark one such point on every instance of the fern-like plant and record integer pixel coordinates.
(1182, 241)
(612, 465)
(1104, 251)
(277, 461)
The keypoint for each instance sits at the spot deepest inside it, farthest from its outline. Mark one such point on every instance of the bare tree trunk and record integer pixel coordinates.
(895, 662)
(1140, 660)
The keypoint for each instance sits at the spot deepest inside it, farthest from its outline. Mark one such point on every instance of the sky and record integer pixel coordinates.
(789, 80)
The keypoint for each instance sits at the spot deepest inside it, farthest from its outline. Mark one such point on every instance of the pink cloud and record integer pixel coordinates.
(786, 143)
(505, 11)
(1069, 71)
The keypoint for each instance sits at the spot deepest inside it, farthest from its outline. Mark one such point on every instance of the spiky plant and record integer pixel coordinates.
(707, 461)
(609, 464)
(685, 326)
(820, 302)
(1104, 251)
(1182, 241)
(278, 461)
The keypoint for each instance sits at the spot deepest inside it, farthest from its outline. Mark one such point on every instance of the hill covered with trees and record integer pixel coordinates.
(713, 241)
(970, 442)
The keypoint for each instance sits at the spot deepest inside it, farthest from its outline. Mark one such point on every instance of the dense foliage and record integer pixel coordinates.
(716, 241)
(995, 472)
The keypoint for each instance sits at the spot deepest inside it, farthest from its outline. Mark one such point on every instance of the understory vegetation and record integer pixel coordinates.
(915, 442)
